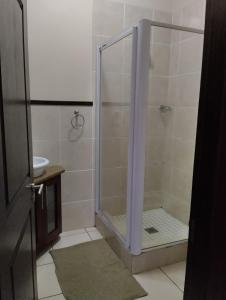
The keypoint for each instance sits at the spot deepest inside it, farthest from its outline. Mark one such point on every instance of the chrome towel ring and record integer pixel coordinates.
(78, 120)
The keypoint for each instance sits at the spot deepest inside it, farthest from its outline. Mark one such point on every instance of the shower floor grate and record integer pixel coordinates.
(169, 229)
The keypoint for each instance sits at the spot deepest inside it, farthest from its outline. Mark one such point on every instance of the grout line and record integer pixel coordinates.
(45, 264)
(171, 279)
(50, 296)
(89, 236)
(79, 171)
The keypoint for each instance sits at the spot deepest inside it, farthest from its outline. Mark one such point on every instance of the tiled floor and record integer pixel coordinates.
(161, 284)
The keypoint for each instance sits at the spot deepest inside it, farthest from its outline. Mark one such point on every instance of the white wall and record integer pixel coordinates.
(60, 49)
(60, 57)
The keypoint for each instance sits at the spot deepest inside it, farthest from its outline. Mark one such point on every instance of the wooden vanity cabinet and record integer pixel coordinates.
(48, 214)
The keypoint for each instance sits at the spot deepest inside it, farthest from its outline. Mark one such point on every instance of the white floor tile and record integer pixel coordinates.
(44, 259)
(95, 235)
(47, 281)
(176, 273)
(89, 229)
(57, 297)
(158, 286)
(72, 232)
(71, 240)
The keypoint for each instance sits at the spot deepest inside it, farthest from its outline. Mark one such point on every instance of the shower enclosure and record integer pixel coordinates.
(140, 144)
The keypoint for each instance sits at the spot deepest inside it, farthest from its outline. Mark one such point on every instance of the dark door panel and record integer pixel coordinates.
(17, 232)
(206, 267)
(23, 281)
(14, 97)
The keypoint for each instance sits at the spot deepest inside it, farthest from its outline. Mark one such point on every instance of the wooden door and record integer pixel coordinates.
(206, 265)
(17, 238)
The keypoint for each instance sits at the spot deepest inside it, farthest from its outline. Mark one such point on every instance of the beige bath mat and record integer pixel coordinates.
(92, 271)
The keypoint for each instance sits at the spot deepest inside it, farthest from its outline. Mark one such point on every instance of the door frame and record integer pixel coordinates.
(206, 262)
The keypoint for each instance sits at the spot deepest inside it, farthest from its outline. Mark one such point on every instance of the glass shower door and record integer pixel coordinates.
(114, 116)
(122, 84)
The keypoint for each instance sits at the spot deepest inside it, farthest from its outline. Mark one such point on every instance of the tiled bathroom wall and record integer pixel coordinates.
(54, 138)
(60, 57)
(168, 175)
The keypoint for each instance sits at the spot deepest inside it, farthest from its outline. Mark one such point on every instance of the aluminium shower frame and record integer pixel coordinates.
(141, 41)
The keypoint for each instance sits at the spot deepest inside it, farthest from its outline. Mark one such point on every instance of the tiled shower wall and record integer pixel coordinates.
(183, 97)
(116, 16)
(175, 74)
(174, 80)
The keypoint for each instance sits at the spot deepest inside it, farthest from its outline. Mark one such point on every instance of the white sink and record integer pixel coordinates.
(39, 164)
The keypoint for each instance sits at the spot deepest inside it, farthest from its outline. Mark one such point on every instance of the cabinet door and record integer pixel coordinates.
(48, 214)
(40, 222)
(52, 210)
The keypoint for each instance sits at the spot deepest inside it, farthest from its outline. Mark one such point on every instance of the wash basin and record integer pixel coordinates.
(39, 164)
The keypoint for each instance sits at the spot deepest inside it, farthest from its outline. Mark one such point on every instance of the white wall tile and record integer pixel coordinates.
(185, 123)
(158, 124)
(110, 153)
(111, 87)
(160, 59)
(78, 214)
(77, 186)
(158, 90)
(45, 122)
(112, 182)
(153, 177)
(112, 58)
(163, 16)
(193, 14)
(47, 149)
(152, 200)
(181, 184)
(191, 55)
(66, 130)
(174, 58)
(183, 154)
(135, 13)
(114, 205)
(108, 17)
(155, 150)
(179, 208)
(76, 155)
(161, 35)
(184, 90)
(115, 120)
